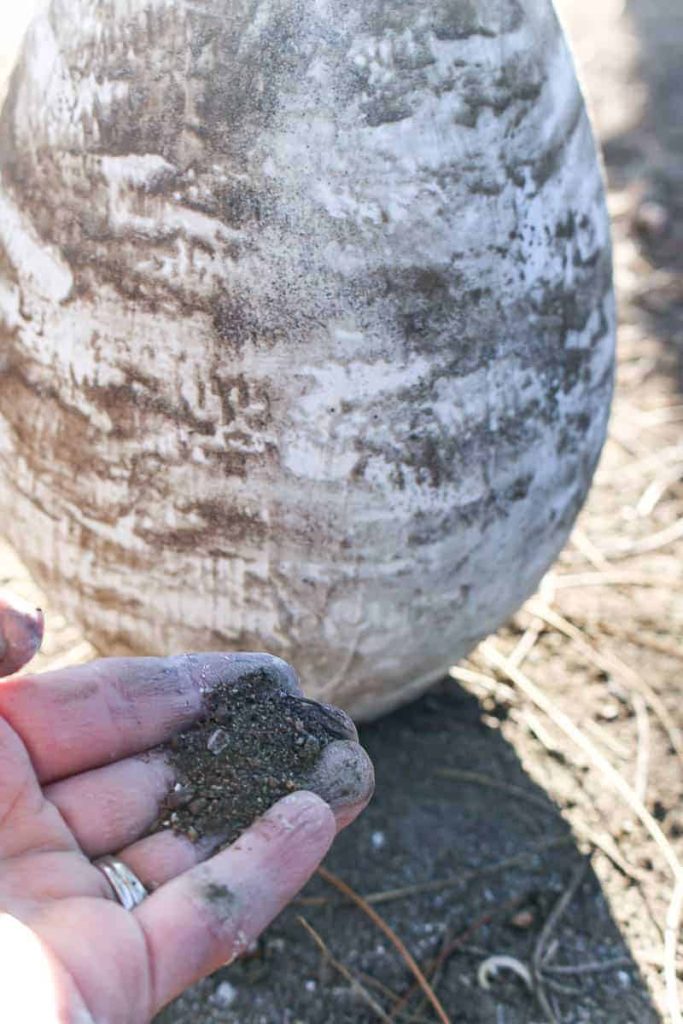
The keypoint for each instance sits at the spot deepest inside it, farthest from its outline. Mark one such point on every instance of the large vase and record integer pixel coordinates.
(306, 325)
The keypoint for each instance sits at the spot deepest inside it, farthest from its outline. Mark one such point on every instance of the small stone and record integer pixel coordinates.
(378, 840)
(180, 796)
(218, 741)
(310, 985)
(224, 714)
(522, 920)
(224, 995)
(192, 833)
(609, 711)
(651, 218)
(198, 805)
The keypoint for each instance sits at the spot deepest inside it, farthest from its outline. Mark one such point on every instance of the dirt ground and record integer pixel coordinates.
(498, 827)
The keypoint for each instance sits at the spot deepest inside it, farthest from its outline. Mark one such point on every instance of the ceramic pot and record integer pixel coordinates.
(306, 325)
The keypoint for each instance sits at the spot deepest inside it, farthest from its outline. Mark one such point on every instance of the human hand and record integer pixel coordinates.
(73, 786)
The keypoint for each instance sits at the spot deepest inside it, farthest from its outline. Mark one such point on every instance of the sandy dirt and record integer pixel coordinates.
(492, 832)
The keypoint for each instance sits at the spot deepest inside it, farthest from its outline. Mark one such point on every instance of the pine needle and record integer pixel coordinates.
(391, 935)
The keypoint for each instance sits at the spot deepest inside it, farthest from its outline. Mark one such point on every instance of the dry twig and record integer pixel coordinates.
(449, 947)
(391, 935)
(541, 700)
(356, 986)
(609, 663)
(464, 878)
(609, 579)
(655, 491)
(526, 643)
(643, 752)
(653, 542)
(478, 779)
(591, 968)
(589, 550)
(541, 947)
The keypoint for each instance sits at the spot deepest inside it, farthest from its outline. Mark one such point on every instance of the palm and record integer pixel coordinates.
(73, 786)
(48, 884)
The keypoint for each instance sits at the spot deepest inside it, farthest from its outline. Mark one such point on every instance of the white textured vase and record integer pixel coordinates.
(306, 327)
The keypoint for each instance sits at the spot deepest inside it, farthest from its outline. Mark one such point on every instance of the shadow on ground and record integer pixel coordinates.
(426, 825)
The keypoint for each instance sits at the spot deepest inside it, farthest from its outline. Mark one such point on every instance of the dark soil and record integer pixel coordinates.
(426, 826)
(254, 745)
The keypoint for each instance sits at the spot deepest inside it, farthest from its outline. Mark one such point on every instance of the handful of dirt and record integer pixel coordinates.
(254, 744)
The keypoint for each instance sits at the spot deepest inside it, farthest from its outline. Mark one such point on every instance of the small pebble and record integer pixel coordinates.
(523, 919)
(218, 741)
(609, 711)
(179, 797)
(652, 218)
(378, 840)
(311, 746)
(225, 994)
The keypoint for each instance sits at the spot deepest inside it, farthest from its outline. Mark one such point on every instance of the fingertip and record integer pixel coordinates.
(305, 810)
(302, 826)
(211, 669)
(21, 633)
(345, 779)
(210, 914)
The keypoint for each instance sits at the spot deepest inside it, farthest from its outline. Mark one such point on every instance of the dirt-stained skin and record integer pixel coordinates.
(306, 325)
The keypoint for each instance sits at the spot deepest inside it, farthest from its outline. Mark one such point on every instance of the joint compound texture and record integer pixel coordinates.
(306, 325)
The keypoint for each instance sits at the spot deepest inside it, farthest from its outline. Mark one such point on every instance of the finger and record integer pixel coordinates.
(159, 858)
(210, 914)
(27, 820)
(78, 718)
(107, 808)
(21, 633)
(345, 779)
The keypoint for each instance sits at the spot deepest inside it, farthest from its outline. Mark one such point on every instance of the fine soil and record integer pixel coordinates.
(254, 744)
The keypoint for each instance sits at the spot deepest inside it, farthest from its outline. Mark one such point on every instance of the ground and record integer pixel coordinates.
(496, 806)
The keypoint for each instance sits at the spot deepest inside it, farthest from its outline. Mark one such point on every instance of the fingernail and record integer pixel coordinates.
(337, 723)
(300, 810)
(21, 633)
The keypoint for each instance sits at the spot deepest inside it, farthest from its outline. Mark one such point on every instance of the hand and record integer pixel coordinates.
(73, 787)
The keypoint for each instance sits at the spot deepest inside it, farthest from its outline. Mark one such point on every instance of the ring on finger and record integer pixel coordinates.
(125, 884)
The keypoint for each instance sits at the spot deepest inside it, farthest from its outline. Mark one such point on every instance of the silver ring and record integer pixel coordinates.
(127, 887)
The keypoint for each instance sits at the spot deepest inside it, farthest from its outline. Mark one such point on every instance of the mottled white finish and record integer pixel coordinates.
(306, 325)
